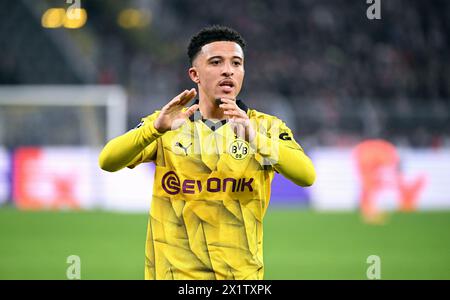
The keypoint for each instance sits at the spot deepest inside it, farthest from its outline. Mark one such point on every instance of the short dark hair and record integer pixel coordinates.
(211, 34)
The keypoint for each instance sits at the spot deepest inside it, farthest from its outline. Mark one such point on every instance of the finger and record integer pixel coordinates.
(233, 127)
(188, 97)
(176, 99)
(228, 106)
(191, 110)
(241, 131)
(233, 113)
(237, 122)
(238, 128)
(181, 95)
(191, 95)
(186, 94)
(228, 100)
(181, 99)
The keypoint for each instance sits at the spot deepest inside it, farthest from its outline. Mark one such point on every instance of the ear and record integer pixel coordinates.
(193, 74)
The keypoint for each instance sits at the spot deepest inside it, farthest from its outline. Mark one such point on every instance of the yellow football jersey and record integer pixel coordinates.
(211, 191)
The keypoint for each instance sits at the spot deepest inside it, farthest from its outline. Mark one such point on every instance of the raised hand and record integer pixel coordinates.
(239, 120)
(172, 115)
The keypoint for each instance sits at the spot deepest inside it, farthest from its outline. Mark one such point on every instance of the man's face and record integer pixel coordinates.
(219, 70)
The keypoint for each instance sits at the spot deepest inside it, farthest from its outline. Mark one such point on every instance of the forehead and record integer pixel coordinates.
(221, 48)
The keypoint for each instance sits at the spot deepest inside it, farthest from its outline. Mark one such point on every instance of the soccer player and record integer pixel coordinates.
(215, 161)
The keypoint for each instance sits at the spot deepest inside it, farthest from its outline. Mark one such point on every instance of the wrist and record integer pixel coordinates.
(157, 127)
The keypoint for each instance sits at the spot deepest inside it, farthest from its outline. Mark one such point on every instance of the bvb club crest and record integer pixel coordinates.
(239, 149)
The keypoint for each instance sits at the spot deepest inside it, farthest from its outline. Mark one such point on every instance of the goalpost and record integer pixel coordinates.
(87, 115)
(50, 139)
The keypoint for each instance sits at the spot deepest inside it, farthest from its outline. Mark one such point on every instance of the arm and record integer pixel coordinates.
(285, 155)
(130, 148)
(139, 144)
(277, 147)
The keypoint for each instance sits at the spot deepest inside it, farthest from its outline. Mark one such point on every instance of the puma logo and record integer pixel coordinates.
(178, 144)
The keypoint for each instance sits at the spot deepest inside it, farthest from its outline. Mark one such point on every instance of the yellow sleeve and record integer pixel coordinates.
(132, 148)
(278, 147)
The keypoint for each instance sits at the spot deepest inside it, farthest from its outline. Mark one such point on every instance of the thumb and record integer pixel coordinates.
(182, 117)
(191, 110)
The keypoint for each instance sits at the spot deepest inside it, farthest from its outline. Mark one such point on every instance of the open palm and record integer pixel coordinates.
(172, 115)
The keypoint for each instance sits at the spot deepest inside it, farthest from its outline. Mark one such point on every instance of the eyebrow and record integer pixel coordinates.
(221, 57)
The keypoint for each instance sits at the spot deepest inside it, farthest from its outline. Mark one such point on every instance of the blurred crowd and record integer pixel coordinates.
(332, 74)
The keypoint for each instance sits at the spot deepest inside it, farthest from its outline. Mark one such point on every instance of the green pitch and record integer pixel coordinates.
(299, 244)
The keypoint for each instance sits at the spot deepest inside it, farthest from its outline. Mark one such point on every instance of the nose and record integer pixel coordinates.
(227, 70)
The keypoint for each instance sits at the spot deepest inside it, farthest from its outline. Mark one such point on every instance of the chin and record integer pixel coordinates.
(229, 96)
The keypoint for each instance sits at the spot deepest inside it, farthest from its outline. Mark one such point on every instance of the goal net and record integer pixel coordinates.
(61, 115)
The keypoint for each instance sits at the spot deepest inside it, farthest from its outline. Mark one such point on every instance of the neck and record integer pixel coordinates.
(209, 109)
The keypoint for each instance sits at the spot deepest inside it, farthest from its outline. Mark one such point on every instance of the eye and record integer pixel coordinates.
(237, 63)
(215, 62)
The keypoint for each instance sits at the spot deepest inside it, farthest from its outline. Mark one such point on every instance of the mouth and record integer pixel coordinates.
(227, 85)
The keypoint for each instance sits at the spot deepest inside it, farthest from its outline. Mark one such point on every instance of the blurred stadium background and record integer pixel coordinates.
(75, 74)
